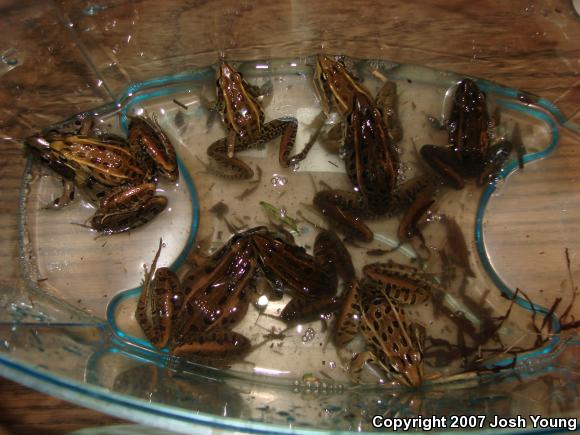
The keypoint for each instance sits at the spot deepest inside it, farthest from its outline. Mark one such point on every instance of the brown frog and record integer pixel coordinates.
(244, 118)
(119, 174)
(471, 153)
(372, 164)
(374, 308)
(196, 318)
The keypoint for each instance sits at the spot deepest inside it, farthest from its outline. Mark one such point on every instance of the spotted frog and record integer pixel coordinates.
(244, 118)
(119, 174)
(195, 318)
(372, 164)
(374, 308)
(336, 87)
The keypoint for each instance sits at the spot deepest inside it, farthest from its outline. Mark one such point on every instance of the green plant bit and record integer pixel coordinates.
(278, 216)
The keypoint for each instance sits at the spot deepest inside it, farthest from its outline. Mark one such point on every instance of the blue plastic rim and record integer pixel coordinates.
(149, 90)
(486, 196)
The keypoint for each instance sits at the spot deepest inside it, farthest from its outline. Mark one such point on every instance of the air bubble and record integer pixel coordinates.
(278, 180)
(309, 335)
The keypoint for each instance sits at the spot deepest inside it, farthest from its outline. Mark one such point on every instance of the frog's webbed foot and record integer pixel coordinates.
(66, 197)
(444, 162)
(436, 123)
(498, 154)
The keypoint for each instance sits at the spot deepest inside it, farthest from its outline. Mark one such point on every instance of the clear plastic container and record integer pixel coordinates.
(68, 297)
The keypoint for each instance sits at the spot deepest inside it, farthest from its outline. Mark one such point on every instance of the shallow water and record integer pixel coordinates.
(88, 272)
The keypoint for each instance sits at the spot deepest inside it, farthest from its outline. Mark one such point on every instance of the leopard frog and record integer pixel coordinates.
(120, 175)
(471, 152)
(336, 87)
(374, 308)
(244, 118)
(372, 164)
(195, 318)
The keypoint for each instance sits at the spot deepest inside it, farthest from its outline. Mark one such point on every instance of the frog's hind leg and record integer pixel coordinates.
(66, 197)
(359, 361)
(227, 167)
(444, 162)
(498, 154)
(408, 225)
(334, 205)
(127, 208)
(219, 344)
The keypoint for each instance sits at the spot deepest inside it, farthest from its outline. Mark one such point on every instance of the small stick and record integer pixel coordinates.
(379, 75)
(551, 313)
(180, 104)
(572, 284)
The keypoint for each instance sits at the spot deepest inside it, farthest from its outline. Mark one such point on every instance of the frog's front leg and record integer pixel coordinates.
(333, 139)
(231, 140)
(128, 207)
(66, 197)
(213, 110)
(262, 92)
